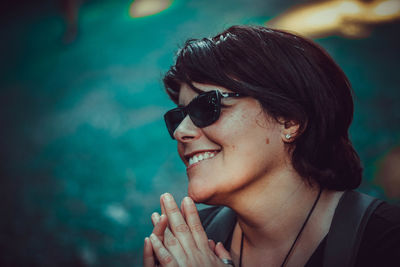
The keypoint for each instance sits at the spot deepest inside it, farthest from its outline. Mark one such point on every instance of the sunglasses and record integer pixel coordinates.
(203, 110)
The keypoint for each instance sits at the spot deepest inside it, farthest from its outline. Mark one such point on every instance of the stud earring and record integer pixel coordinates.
(288, 136)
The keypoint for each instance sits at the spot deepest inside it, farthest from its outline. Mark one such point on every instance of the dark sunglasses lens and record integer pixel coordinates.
(205, 109)
(173, 118)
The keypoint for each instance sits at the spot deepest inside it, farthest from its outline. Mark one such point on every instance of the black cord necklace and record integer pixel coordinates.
(297, 237)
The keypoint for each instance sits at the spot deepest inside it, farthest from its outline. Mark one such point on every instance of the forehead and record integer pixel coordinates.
(187, 93)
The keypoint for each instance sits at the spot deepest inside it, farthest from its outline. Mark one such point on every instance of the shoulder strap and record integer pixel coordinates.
(348, 224)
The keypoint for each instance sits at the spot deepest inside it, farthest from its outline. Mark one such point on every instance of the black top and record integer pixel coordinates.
(380, 245)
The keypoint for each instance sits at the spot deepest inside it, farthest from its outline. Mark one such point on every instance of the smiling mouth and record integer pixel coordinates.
(201, 156)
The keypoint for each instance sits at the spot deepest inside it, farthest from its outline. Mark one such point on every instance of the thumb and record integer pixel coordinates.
(221, 252)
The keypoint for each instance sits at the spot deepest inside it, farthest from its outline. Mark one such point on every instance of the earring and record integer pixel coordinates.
(288, 136)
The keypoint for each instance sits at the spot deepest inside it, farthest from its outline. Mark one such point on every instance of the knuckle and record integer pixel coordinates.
(197, 227)
(182, 228)
(165, 256)
(171, 242)
(167, 259)
(174, 210)
(191, 211)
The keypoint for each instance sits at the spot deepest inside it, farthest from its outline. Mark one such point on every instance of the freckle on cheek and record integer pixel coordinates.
(267, 141)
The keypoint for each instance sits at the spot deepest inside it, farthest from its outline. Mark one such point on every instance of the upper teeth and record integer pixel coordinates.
(200, 157)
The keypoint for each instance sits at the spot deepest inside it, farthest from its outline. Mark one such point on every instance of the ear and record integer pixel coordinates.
(290, 130)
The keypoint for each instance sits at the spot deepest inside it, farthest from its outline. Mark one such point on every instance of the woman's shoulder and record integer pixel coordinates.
(380, 245)
(383, 225)
(386, 214)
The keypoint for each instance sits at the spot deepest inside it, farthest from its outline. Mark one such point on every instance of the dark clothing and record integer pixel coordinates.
(380, 244)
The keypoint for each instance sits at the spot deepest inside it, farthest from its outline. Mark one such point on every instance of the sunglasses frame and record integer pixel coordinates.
(215, 96)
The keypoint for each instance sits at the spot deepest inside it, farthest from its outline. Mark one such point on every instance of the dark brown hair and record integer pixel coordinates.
(293, 78)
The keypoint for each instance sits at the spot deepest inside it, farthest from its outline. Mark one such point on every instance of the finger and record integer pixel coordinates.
(221, 252)
(194, 223)
(161, 225)
(211, 244)
(164, 257)
(162, 205)
(174, 246)
(177, 224)
(155, 217)
(183, 209)
(148, 256)
(165, 235)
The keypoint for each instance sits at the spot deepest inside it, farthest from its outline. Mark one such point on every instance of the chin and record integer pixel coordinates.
(200, 194)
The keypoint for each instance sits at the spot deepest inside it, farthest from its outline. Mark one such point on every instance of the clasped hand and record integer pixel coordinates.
(178, 238)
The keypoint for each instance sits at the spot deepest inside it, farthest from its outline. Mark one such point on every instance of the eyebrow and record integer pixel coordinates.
(197, 90)
(194, 88)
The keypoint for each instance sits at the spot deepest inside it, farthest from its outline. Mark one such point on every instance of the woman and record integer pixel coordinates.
(262, 127)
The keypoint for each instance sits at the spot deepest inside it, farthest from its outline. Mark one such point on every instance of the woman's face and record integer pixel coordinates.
(234, 154)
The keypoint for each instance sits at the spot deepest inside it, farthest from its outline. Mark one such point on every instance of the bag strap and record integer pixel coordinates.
(348, 224)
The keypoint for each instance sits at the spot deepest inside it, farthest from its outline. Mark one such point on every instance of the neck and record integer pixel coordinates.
(271, 209)
(271, 215)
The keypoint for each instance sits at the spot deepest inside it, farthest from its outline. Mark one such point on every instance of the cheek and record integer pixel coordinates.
(180, 150)
(228, 128)
(240, 129)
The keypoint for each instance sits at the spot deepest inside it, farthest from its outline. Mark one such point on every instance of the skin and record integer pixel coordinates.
(241, 133)
(253, 175)
(183, 242)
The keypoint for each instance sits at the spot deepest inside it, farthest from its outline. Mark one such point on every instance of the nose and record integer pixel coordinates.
(186, 131)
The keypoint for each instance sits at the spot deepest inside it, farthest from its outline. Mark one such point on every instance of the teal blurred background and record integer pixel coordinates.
(84, 150)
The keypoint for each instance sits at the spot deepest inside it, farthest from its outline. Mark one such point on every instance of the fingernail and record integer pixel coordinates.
(162, 216)
(155, 215)
(188, 200)
(167, 196)
(146, 240)
(153, 237)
